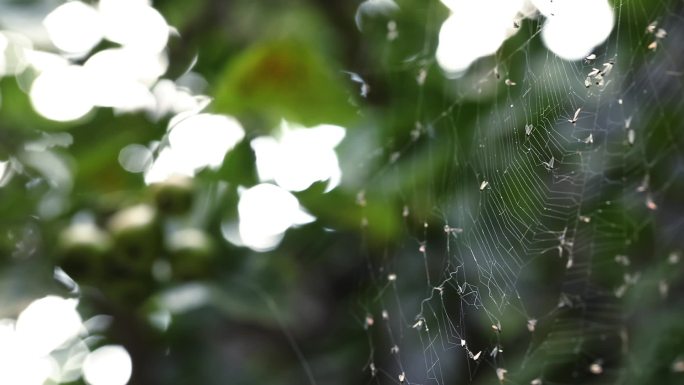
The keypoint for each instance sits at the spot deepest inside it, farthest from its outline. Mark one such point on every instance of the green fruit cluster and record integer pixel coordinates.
(119, 251)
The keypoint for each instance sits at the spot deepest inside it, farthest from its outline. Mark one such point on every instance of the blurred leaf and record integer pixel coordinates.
(18, 113)
(180, 13)
(338, 209)
(283, 79)
(239, 166)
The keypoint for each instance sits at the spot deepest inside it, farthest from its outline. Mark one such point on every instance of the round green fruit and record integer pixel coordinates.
(136, 235)
(81, 248)
(191, 252)
(174, 196)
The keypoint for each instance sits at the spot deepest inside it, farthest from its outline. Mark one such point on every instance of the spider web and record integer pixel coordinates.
(539, 215)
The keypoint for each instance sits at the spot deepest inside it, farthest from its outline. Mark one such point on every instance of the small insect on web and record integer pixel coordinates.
(356, 78)
(658, 35)
(596, 367)
(575, 117)
(501, 374)
(528, 129)
(476, 356)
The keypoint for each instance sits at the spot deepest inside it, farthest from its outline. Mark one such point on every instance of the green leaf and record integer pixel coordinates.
(239, 166)
(284, 79)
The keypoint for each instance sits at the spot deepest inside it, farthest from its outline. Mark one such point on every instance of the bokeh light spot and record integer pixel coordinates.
(108, 365)
(577, 27)
(300, 156)
(134, 24)
(47, 323)
(196, 142)
(135, 158)
(74, 27)
(266, 211)
(475, 29)
(62, 93)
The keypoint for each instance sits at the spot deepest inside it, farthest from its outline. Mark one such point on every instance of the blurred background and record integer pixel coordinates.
(348, 192)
